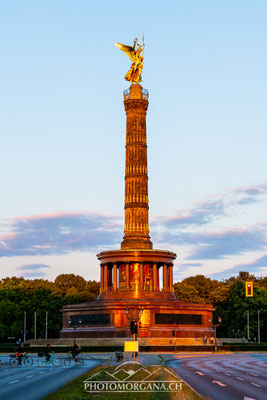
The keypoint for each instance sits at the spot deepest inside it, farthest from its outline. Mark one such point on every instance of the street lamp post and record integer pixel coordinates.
(75, 325)
(215, 327)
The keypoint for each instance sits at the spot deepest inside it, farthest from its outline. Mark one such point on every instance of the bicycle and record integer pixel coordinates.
(77, 360)
(14, 360)
(119, 355)
(42, 360)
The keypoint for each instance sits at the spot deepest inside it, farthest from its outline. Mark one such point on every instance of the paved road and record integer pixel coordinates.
(223, 377)
(34, 383)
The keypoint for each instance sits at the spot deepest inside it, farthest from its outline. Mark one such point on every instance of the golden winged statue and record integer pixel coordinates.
(137, 57)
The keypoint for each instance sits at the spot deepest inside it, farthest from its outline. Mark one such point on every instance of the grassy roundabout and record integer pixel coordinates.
(75, 390)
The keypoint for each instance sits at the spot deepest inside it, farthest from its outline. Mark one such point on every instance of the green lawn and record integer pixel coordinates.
(75, 389)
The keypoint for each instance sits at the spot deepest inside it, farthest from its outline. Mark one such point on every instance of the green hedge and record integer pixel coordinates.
(62, 349)
(11, 344)
(245, 344)
(178, 348)
(244, 347)
(107, 349)
(8, 348)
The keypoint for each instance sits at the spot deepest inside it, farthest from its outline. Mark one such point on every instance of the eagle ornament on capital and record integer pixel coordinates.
(137, 58)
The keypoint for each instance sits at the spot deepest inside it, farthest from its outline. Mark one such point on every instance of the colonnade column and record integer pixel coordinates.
(171, 278)
(105, 278)
(115, 277)
(155, 277)
(109, 277)
(141, 272)
(101, 278)
(127, 273)
(165, 278)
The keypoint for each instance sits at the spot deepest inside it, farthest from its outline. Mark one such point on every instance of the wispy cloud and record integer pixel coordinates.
(217, 245)
(201, 214)
(33, 267)
(257, 266)
(252, 190)
(205, 231)
(58, 233)
(217, 206)
(186, 264)
(33, 270)
(195, 228)
(250, 194)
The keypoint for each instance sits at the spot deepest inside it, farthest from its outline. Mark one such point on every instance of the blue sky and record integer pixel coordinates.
(62, 127)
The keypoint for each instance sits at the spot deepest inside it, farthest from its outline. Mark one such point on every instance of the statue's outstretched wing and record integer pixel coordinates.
(129, 50)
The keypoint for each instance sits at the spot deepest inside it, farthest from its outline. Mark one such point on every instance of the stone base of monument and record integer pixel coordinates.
(160, 318)
(156, 309)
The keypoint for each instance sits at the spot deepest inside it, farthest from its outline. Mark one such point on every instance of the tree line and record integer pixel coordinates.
(18, 295)
(232, 305)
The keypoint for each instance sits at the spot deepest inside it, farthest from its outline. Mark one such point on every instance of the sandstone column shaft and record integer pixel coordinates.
(102, 278)
(141, 276)
(155, 277)
(105, 277)
(136, 227)
(127, 273)
(171, 278)
(115, 277)
(165, 278)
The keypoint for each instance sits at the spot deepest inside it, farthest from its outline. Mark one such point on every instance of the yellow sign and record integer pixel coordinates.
(131, 346)
(249, 289)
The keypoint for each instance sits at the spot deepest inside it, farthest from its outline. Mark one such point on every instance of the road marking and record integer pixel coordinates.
(248, 398)
(255, 384)
(30, 376)
(219, 383)
(199, 373)
(42, 372)
(218, 370)
(10, 383)
(251, 373)
(5, 369)
(225, 373)
(237, 377)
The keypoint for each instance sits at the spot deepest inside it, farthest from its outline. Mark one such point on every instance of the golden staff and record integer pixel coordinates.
(143, 46)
